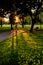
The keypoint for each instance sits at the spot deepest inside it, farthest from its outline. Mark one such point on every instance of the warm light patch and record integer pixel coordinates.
(6, 19)
(17, 19)
(1, 18)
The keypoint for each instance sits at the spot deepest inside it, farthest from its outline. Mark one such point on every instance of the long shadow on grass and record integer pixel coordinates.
(28, 55)
(9, 56)
(38, 38)
(14, 55)
(24, 51)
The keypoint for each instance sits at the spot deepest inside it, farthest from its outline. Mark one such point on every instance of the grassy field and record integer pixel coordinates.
(22, 49)
(26, 27)
(5, 28)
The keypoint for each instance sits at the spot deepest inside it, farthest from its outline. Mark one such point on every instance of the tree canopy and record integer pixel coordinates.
(23, 7)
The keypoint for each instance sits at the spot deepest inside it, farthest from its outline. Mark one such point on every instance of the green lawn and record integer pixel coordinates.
(23, 49)
(5, 28)
(26, 27)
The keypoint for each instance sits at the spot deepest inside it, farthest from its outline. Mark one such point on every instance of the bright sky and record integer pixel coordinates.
(33, 10)
(6, 19)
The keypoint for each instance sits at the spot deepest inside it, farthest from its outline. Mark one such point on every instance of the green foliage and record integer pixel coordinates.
(41, 16)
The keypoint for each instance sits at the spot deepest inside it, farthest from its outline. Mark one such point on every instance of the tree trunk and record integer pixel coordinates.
(33, 22)
(22, 21)
(11, 20)
(22, 24)
(1, 23)
(11, 26)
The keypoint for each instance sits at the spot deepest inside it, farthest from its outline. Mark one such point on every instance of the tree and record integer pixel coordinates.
(1, 23)
(35, 14)
(28, 7)
(22, 22)
(11, 20)
(6, 6)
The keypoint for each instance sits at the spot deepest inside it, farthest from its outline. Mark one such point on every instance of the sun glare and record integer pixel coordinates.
(6, 19)
(17, 19)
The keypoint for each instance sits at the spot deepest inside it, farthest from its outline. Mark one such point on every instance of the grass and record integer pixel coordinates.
(26, 27)
(31, 53)
(22, 49)
(5, 28)
(5, 51)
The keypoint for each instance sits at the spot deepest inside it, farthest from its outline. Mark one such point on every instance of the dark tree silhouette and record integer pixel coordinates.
(26, 7)
(22, 21)
(11, 20)
(6, 6)
(29, 7)
(1, 23)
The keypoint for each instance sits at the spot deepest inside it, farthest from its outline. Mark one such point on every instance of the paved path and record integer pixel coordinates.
(4, 35)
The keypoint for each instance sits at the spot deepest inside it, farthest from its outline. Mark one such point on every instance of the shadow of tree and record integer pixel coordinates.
(14, 55)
